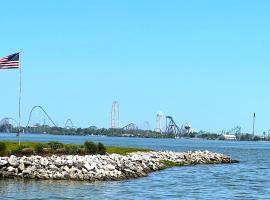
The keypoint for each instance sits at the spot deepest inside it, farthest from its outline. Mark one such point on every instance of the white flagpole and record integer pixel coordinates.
(20, 97)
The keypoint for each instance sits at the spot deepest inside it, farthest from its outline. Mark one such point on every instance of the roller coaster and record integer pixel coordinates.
(69, 124)
(237, 130)
(8, 123)
(173, 129)
(43, 111)
(131, 127)
(45, 118)
(171, 126)
(145, 126)
(134, 127)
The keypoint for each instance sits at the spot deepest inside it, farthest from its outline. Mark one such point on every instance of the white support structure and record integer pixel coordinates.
(115, 115)
(159, 118)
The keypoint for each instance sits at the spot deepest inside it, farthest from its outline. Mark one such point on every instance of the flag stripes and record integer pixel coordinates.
(10, 62)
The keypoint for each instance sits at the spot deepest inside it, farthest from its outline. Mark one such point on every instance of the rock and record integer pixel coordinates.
(47, 150)
(65, 168)
(89, 167)
(84, 171)
(11, 169)
(13, 161)
(73, 176)
(21, 167)
(70, 163)
(3, 162)
(58, 162)
(101, 167)
(27, 161)
(27, 151)
(44, 161)
(58, 176)
(61, 151)
(53, 167)
(80, 175)
(26, 172)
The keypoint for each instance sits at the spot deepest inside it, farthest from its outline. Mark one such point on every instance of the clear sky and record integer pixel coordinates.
(203, 62)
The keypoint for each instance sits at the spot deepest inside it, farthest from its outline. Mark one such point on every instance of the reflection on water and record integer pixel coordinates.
(246, 180)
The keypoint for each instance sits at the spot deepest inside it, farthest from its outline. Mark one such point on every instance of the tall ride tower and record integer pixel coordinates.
(254, 120)
(115, 115)
(159, 118)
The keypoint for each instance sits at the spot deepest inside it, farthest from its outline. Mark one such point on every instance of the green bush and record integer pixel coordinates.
(55, 145)
(256, 138)
(72, 149)
(19, 149)
(47, 150)
(61, 151)
(91, 147)
(27, 151)
(82, 151)
(39, 147)
(101, 148)
(3, 147)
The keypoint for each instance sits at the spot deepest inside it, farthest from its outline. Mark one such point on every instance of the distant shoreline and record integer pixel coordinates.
(112, 136)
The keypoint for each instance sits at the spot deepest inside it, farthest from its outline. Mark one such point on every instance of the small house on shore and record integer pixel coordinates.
(228, 137)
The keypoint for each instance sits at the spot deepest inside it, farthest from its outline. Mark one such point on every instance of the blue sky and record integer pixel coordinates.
(203, 62)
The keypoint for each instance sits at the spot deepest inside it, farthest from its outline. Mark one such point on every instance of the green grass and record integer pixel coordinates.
(124, 150)
(168, 163)
(13, 147)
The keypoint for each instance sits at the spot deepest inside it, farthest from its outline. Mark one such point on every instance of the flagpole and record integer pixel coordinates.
(20, 98)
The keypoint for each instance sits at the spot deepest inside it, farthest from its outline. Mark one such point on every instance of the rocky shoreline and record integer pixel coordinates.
(102, 167)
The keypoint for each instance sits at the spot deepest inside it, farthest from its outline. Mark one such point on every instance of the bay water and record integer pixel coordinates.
(249, 179)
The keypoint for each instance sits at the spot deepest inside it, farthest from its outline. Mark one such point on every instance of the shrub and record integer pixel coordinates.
(47, 150)
(61, 151)
(256, 138)
(55, 145)
(39, 147)
(91, 147)
(101, 148)
(27, 151)
(19, 149)
(72, 149)
(3, 147)
(82, 151)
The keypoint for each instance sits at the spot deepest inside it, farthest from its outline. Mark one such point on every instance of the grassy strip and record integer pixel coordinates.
(14, 148)
(124, 150)
(169, 164)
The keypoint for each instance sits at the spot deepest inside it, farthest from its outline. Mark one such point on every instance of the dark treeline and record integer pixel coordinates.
(88, 131)
(121, 133)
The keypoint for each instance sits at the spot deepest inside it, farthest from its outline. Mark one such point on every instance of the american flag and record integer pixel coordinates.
(10, 62)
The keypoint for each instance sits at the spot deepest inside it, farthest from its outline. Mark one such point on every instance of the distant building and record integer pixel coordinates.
(228, 137)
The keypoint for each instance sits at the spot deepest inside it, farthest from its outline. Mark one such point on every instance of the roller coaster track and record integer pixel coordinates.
(235, 130)
(171, 126)
(69, 121)
(130, 127)
(42, 109)
(145, 126)
(7, 119)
